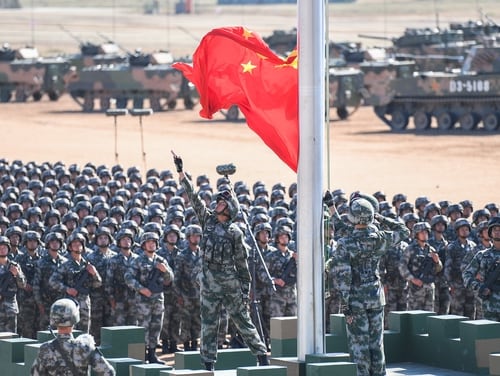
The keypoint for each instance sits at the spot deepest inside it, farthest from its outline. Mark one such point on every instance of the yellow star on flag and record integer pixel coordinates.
(248, 67)
(247, 33)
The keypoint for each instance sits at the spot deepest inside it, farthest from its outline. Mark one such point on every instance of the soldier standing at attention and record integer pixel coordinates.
(65, 355)
(11, 279)
(225, 277)
(362, 295)
(147, 274)
(419, 266)
(482, 273)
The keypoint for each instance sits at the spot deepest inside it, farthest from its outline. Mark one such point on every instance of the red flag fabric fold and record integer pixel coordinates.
(234, 66)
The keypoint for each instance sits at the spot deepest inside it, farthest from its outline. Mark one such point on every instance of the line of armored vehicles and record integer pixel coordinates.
(439, 78)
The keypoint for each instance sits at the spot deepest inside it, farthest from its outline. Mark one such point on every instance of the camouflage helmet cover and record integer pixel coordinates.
(64, 312)
(150, 236)
(421, 226)
(361, 211)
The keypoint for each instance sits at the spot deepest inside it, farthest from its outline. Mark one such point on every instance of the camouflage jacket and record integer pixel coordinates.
(356, 263)
(143, 273)
(46, 266)
(114, 284)
(262, 282)
(9, 284)
(188, 267)
(223, 248)
(72, 274)
(282, 265)
(389, 265)
(29, 265)
(101, 260)
(416, 262)
(81, 351)
(476, 273)
(455, 253)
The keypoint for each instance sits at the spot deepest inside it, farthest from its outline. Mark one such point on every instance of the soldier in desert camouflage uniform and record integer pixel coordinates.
(187, 286)
(75, 278)
(11, 280)
(65, 355)
(225, 277)
(482, 273)
(147, 274)
(100, 314)
(121, 297)
(46, 266)
(362, 297)
(419, 265)
(28, 309)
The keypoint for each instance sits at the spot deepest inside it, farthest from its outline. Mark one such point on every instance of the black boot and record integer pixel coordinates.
(173, 347)
(152, 357)
(165, 347)
(194, 345)
(186, 346)
(209, 366)
(263, 360)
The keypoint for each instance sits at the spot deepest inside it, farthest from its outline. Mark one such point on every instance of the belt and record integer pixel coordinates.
(219, 267)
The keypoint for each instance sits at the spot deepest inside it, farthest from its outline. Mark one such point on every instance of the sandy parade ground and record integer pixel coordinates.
(364, 154)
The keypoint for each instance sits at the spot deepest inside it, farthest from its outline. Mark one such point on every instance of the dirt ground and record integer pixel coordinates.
(363, 153)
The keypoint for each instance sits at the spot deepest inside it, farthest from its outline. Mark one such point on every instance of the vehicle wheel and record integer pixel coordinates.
(399, 120)
(172, 104)
(54, 95)
(121, 102)
(421, 120)
(490, 122)
(37, 96)
(342, 113)
(232, 113)
(104, 103)
(188, 103)
(468, 121)
(21, 95)
(88, 103)
(445, 121)
(5, 95)
(138, 102)
(155, 104)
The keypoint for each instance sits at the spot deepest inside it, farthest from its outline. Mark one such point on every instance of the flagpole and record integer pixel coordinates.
(310, 176)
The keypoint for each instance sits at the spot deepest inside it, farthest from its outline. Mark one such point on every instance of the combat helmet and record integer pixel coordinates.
(361, 212)
(461, 223)
(193, 230)
(64, 312)
(124, 232)
(5, 241)
(495, 221)
(421, 226)
(232, 203)
(150, 236)
(439, 219)
(263, 226)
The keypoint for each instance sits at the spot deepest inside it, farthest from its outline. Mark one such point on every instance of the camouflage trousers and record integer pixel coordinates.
(100, 314)
(332, 306)
(478, 306)
(462, 302)
(443, 298)
(366, 341)
(171, 318)
(28, 315)
(124, 312)
(218, 289)
(190, 319)
(84, 307)
(396, 299)
(8, 315)
(149, 313)
(493, 316)
(284, 302)
(421, 298)
(223, 327)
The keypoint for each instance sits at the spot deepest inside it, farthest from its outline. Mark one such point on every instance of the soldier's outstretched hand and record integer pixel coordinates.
(177, 161)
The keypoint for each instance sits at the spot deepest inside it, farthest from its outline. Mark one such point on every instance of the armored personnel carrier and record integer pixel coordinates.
(465, 99)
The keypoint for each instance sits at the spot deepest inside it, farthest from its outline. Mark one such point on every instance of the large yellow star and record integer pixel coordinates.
(247, 33)
(248, 67)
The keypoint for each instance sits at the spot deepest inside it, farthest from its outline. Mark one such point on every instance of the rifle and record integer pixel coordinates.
(491, 281)
(289, 274)
(81, 281)
(426, 271)
(154, 284)
(6, 280)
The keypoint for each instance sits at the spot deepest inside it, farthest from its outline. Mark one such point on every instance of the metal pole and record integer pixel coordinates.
(142, 112)
(310, 177)
(115, 113)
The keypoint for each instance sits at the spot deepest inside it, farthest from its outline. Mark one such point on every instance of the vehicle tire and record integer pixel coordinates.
(155, 104)
(342, 113)
(490, 122)
(21, 96)
(233, 113)
(468, 121)
(88, 103)
(188, 103)
(138, 102)
(172, 104)
(121, 102)
(54, 95)
(445, 121)
(37, 95)
(421, 120)
(104, 103)
(5, 95)
(399, 119)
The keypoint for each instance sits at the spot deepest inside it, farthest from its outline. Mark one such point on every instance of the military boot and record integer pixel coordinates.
(194, 345)
(152, 357)
(263, 360)
(187, 347)
(173, 347)
(165, 346)
(209, 366)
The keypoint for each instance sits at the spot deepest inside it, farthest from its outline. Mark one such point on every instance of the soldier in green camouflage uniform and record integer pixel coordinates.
(482, 273)
(11, 280)
(121, 297)
(439, 223)
(225, 277)
(187, 286)
(46, 266)
(362, 296)
(65, 355)
(75, 278)
(28, 309)
(100, 314)
(419, 265)
(147, 274)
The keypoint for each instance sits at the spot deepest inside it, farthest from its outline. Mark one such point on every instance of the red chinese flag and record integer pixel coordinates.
(234, 66)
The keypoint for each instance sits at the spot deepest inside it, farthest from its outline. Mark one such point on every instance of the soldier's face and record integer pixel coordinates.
(172, 238)
(125, 242)
(263, 237)
(423, 236)
(463, 232)
(14, 240)
(31, 245)
(150, 246)
(102, 241)
(4, 250)
(194, 239)
(76, 248)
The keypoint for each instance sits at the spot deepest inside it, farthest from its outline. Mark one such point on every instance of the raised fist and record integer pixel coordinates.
(177, 162)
